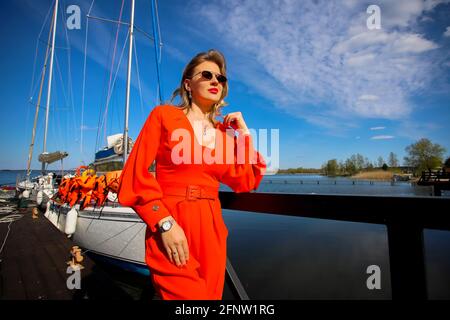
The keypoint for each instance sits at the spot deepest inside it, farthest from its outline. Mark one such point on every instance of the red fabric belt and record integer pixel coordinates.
(191, 192)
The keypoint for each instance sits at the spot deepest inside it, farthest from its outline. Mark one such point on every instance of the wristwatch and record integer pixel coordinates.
(166, 226)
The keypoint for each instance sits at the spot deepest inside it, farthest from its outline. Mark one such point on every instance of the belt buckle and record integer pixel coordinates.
(193, 192)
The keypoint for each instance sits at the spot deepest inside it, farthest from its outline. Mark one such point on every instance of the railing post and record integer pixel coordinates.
(236, 285)
(437, 192)
(407, 260)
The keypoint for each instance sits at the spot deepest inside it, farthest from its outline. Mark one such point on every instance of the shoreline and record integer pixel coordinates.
(374, 175)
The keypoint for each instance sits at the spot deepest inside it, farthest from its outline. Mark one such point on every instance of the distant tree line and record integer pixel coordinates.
(422, 155)
(299, 170)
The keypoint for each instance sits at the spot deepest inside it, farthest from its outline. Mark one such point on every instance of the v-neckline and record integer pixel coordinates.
(195, 136)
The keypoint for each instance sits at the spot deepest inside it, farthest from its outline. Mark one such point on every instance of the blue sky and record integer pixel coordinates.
(311, 69)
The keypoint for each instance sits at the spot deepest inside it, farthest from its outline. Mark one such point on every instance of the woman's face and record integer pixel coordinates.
(205, 92)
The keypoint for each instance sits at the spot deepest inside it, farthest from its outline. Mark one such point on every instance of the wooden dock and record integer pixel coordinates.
(439, 180)
(33, 264)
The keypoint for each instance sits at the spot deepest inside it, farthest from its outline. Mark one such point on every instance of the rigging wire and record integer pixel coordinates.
(83, 90)
(65, 100)
(112, 64)
(102, 98)
(36, 53)
(70, 84)
(57, 131)
(115, 77)
(160, 44)
(62, 81)
(139, 78)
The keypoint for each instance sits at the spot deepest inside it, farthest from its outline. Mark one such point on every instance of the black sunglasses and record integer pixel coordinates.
(208, 75)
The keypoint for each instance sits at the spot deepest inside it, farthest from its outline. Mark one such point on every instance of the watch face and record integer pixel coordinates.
(166, 225)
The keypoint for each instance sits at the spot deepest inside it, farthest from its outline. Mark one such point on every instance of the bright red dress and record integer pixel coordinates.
(201, 218)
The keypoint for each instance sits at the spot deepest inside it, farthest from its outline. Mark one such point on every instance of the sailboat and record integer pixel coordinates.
(107, 230)
(43, 187)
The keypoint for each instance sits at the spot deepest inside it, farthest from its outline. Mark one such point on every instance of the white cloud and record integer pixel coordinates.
(403, 13)
(447, 32)
(359, 60)
(413, 43)
(377, 128)
(426, 19)
(309, 53)
(382, 137)
(368, 97)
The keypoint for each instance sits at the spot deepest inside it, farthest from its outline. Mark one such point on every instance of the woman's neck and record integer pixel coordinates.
(201, 112)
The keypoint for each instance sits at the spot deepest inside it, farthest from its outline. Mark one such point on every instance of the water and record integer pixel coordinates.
(304, 258)
(300, 184)
(339, 185)
(8, 177)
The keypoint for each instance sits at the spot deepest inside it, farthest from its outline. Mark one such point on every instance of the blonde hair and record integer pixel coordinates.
(212, 56)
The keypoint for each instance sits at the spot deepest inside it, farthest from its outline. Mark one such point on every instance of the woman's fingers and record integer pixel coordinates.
(186, 250)
(233, 119)
(169, 253)
(176, 257)
(181, 255)
(176, 245)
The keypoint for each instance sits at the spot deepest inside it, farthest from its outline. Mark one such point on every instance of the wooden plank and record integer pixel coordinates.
(12, 284)
(34, 265)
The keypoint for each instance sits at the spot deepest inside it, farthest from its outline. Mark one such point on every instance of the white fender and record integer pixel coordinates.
(71, 221)
(112, 196)
(39, 198)
(26, 194)
(47, 211)
(53, 217)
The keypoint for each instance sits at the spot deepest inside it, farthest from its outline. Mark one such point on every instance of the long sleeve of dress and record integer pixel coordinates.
(139, 189)
(245, 174)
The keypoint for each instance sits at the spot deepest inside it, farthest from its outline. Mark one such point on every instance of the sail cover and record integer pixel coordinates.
(52, 157)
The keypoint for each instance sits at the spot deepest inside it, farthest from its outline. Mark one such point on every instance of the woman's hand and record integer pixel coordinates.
(236, 121)
(176, 245)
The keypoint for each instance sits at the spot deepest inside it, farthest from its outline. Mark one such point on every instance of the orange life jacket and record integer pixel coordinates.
(113, 180)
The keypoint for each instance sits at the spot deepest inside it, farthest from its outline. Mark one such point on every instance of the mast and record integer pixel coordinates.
(33, 135)
(127, 103)
(49, 88)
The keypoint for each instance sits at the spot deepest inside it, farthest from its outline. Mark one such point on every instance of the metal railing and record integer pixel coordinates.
(434, 176)
(438, 179)
(405, 219)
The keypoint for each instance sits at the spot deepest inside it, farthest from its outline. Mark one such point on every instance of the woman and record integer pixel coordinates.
(186, 235)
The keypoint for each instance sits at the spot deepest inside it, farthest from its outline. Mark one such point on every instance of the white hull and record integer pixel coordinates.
(112, 231)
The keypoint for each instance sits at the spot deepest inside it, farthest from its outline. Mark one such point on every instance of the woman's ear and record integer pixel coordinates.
(187, 85)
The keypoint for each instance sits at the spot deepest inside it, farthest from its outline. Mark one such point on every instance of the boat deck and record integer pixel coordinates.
(33, 264)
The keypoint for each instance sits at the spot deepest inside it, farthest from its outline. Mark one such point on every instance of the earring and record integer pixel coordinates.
(190, 95)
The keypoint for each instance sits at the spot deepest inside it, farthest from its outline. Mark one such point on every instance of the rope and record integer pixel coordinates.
(9, 219)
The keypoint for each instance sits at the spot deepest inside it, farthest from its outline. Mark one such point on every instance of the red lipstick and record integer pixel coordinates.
(213, 90)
